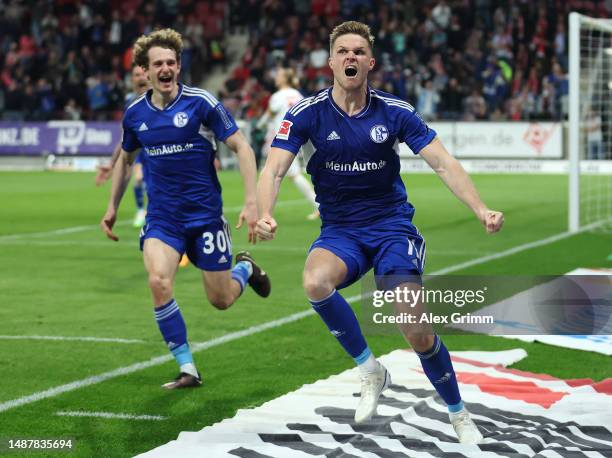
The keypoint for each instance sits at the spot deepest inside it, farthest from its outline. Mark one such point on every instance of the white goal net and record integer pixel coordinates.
(590, 123)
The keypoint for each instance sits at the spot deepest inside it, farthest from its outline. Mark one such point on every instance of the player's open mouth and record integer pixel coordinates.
(166, 79)
(350, 71)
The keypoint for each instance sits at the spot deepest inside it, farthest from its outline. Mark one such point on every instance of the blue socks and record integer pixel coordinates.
(439, 370)
(174, 332)
(241, 273)
(139, 195)
(342, 323)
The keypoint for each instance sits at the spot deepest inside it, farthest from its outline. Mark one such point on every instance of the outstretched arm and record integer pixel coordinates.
(458, 181)
(121, 176)
(246, 161)
(268, 187)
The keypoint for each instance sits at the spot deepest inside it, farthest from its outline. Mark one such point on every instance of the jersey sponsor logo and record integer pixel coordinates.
(143, 127)
(167, 149)
(355, 166)
(180, 119)
(284, 130)
(379, 133)
(333, 136)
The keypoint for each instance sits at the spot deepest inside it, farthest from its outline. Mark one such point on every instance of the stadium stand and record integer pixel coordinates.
(70, 59)
(453, 59)
(459, 60)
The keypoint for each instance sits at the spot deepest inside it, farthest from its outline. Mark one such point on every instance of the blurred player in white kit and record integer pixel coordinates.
(284, 98)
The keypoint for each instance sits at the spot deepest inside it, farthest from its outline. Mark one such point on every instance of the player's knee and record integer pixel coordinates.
(317, 285)
(159, 284)
(220, 301)
(421, 342)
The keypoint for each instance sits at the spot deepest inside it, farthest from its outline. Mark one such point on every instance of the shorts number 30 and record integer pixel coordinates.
(210, 239)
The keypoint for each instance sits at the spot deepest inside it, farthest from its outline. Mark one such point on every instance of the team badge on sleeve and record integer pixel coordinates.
(284, 130)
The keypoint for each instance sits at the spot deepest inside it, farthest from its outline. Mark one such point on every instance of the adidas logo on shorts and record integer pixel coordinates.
(222, 259)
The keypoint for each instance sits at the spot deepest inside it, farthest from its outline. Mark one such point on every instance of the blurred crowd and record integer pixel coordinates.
(71, 59)
(452, 59)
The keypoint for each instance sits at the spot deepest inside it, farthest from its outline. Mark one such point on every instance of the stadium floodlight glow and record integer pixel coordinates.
(590, 123)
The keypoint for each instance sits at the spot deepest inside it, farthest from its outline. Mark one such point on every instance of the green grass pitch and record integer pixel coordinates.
(75, 282)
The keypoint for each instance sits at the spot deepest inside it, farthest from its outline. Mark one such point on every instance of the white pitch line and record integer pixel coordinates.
(55, 391)
(52, 392)
(65, 230)
(120, 416)
(75, 339)
(75, 229)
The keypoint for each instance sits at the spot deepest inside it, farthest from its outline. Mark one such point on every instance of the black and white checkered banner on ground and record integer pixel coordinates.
(520, 414)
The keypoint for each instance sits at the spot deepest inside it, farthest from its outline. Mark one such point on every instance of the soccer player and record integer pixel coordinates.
(140, 84)
(176, 125)
(284, 98)
(366, 217)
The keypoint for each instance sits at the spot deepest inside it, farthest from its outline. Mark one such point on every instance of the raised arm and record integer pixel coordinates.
(458, 181)
(122, 171)
(246, 161)
(268, 187)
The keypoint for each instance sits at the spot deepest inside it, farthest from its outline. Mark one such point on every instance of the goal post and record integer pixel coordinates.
(590, 121)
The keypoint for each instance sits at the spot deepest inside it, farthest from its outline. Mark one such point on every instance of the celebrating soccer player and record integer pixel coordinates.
(367, 220)
(176, 125)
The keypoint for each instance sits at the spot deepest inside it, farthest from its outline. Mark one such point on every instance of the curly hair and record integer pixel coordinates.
(352, 27)
(165, 38)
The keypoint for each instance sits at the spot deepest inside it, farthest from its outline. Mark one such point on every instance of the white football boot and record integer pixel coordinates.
(140, 218)
(465, 428)
(372, 385)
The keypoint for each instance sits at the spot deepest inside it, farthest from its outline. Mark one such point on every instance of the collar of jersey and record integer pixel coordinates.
(170, 105)
(342, 112)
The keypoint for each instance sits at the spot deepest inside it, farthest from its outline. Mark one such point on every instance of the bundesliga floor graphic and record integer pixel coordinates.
(520, 414)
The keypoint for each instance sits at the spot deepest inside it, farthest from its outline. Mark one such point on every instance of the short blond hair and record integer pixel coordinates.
(165, 38)
(352, 27)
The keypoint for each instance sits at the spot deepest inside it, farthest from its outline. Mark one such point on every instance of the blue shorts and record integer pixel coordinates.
(394, 247)
(208, 245)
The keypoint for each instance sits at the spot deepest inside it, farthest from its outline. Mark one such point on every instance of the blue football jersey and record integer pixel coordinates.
(355, 168)
(179, 145)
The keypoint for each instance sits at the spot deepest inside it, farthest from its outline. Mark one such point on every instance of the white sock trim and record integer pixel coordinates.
(189, 368)
(369, 366)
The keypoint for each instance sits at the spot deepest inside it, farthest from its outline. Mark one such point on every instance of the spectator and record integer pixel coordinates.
(318, 56)
(441, 14)
(451, 100)
(427, 101)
